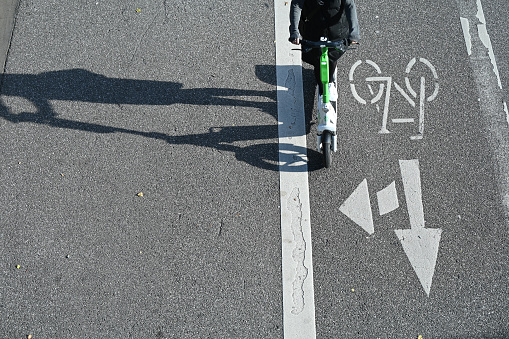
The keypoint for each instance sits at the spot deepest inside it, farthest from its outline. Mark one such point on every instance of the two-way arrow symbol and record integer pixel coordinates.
(419, 243)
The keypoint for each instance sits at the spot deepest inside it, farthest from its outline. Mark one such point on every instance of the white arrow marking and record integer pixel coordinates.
(357, 207)
(421, 248)
(420, 244)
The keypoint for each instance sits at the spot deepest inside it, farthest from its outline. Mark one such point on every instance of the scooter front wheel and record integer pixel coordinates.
(326, 148)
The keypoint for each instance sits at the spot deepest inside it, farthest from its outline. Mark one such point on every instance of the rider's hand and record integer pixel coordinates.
(295, 41)
(352, 42)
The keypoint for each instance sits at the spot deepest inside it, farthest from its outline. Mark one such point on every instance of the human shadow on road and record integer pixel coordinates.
(80, 85)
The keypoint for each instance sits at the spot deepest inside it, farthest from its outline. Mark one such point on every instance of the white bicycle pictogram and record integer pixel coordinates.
(385, 85)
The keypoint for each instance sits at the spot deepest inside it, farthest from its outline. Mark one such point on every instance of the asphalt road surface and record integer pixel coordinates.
(140, 176)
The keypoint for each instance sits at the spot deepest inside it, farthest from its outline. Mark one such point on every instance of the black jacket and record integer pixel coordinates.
(334, 19)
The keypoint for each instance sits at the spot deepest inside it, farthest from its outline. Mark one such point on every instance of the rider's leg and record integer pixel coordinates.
(318, 79)
(333, 91)
(332, 68)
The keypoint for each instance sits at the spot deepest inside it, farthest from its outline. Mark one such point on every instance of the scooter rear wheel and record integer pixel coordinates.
(326, 148)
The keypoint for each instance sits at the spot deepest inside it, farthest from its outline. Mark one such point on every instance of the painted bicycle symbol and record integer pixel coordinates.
(386, 84)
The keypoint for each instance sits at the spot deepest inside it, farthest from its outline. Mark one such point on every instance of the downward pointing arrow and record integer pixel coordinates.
(421, 248)
(420, 244)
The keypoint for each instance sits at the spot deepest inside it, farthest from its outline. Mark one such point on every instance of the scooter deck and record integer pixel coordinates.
(335, 104)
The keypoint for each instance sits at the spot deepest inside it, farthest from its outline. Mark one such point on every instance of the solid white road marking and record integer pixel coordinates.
(385, 114)
(466, 34)
(352, 85)
(421, 110)
(433, 71)
(412, 185)
(297, 268)
(435, 76)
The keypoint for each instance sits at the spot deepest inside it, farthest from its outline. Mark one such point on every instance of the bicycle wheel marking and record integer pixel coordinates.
(386, 83)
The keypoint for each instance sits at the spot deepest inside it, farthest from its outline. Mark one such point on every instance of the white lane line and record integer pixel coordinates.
(297, 269)
(487, 78)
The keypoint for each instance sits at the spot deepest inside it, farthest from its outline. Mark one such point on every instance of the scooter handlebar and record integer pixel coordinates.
(308, 45)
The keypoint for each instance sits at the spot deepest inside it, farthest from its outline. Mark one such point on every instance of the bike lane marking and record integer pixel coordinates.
(419, 243)
(386, 83)
(297, 269)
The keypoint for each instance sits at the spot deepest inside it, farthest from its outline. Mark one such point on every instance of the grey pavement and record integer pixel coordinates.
(104, 100)
(469, 293)
(139, 184)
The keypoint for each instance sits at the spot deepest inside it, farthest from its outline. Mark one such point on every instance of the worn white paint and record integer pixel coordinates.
(485, 39)
(492, 107)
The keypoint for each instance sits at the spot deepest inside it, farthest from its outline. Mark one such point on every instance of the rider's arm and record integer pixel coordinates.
(351, 14)
(295, 12)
